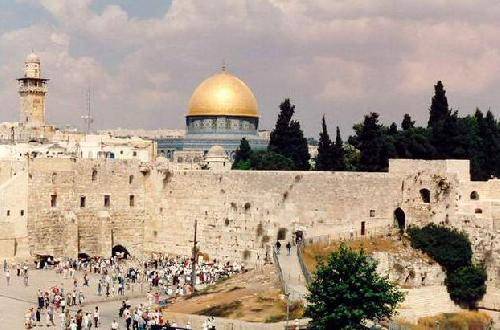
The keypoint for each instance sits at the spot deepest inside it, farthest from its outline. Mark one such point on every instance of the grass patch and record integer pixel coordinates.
(321, 250)
(452, 321)
(464, 320)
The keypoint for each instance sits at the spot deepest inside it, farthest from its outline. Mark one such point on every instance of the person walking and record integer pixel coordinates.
(278, 247)
(288, 248)
(7, 276)
(96, 317)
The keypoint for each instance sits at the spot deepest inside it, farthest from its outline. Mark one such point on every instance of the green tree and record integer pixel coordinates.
(346, 290)
(407, 123)
(467, 285)
(439, 110)
(324, 159)
(371, 140)
(487, 151)
(242, 155)
(288, 139)
(339, 158)
(449, 247)
(264, 160)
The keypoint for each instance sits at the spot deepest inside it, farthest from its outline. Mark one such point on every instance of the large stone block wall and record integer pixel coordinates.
(240, 212)
(13, 209)
(67, 227)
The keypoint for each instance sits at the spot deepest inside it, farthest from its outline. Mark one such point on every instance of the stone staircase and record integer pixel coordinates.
(294, 281)
(426, 301)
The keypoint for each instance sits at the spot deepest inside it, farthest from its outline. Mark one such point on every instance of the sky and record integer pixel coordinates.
(338, 58)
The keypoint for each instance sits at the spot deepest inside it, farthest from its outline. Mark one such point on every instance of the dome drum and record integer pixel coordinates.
(222, 125)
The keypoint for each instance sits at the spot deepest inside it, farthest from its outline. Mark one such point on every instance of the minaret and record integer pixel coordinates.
(32, 91)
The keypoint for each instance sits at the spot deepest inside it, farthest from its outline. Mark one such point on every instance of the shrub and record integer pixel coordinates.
(449, 247)
(467, 285)
(452, 250)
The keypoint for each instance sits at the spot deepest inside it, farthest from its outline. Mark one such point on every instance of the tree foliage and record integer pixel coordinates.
(260, 160)
(287, 138)
(265, 160)
(467, 285)
(451, 248)
(242, 155)
(447, 136)
(372, 141)
(346, 290)
(331, 155)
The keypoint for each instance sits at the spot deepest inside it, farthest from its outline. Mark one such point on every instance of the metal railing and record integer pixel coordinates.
(305, 271)
(280, 272)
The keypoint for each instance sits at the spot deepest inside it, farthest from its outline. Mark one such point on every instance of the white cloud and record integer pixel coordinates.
(356, 56)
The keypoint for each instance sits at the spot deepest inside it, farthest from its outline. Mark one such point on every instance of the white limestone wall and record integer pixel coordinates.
(13, 209)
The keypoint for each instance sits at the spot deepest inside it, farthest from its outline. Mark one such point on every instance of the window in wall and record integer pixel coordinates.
(372, 213)
(22, 212)
(134, 153)
(8, 212)
(478, 211)
(130, 179)
(94, 174)
(161, 210)
(474, 195)
(132, 200)
(425, 194)
(53, 200)
(107, 201)
(83, 201)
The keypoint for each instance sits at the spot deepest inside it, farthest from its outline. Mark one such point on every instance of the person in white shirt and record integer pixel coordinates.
(114, 325)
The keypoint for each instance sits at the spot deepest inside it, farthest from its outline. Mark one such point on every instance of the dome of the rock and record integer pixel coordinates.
(223, 94)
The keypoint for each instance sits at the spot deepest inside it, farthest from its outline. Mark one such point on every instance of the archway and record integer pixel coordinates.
(425, 194)
(400, 218)
(120, 251)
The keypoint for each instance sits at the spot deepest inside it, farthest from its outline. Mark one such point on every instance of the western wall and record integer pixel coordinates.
(62, 207)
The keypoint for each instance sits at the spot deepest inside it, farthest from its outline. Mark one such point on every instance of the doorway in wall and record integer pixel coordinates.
(400, 219)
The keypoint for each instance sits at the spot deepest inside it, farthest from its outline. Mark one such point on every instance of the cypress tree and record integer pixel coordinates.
(324, 159)
(439, 110)
(339, 162)
(288, 139)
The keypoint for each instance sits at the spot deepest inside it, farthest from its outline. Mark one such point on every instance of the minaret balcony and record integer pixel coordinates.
(33, 89)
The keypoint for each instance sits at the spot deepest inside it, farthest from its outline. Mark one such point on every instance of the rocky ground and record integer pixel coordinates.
(252, 296)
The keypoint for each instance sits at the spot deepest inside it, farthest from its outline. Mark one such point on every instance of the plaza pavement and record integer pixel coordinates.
(16, 298)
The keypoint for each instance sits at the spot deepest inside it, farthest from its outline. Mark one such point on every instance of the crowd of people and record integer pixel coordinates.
(160, 279)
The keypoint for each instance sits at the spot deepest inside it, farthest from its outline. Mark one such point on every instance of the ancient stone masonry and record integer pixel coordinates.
(63, 207)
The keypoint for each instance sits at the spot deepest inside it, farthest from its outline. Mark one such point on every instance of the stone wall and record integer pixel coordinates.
(241, 212)
(65, 206)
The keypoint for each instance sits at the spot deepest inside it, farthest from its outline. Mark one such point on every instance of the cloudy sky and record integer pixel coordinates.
(342, 58)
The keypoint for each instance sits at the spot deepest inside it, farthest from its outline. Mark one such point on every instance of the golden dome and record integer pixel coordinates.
(223, 95)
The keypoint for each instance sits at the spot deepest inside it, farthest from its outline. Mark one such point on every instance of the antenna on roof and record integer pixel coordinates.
(88, 119)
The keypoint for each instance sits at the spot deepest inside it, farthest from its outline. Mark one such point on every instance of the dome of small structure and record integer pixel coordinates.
(33, 58)
(223, 94)
(216, 151)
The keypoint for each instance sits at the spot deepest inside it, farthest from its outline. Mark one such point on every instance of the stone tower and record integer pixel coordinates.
(32, 91)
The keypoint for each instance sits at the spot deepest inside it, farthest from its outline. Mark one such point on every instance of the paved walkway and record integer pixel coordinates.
(292, 274)
(16, 299)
